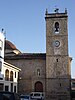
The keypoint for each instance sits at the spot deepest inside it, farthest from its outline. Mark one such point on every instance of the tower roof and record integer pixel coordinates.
(56, 14)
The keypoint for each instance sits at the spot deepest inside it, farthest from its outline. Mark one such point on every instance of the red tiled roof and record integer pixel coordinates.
(9, 45)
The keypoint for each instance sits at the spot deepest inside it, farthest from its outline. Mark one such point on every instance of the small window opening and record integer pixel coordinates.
(60, 84)
(57, 60)
(38, 72)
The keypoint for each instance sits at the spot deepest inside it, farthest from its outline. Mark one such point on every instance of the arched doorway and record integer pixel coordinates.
(38, 87)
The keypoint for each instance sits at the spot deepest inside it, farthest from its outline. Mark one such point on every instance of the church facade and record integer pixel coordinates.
(48, 72)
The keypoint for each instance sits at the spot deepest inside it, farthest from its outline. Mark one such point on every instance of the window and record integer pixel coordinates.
(60, 84)
(15, 74)
(38, 72)
(0, 65)
(37, 94)
(73, 84)
(1, 86)
(6, 88)
(11, 76)
(56, 27)
(57, 60)
(15, 89)
(7, 75)
(1, 45)
(11, 87)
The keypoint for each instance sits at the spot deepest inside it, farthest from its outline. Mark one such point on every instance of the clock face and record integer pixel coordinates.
(56, 43)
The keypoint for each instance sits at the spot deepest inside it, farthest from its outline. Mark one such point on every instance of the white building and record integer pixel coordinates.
(8, 72)
(1, 54)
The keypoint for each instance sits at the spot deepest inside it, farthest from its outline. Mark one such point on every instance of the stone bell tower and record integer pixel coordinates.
(57, 59)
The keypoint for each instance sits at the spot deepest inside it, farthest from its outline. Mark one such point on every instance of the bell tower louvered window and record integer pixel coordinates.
(56, 27)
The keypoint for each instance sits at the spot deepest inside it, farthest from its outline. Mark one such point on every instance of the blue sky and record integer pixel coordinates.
(24, 23)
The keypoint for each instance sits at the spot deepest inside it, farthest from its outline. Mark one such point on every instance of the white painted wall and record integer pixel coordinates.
(2, 41)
